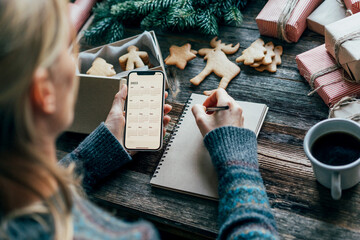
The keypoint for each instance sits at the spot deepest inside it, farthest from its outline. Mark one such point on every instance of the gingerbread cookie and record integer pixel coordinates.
(133, 59)
(101, 68)
(268, 56)
(179, 56)
(254, 53)
(218, 63)
(276, 61)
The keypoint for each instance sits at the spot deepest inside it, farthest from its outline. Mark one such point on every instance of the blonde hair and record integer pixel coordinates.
(32, 34)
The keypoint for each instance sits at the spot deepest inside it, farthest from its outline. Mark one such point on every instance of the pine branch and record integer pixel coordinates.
(125, 10)
(241, 4)
(155, 20)
(217, 9)
(115, 32)
(101, 11)
(201, 3)
(233, 17)
(181, 16)
(145, 7)
(98, 31)
(207, 22)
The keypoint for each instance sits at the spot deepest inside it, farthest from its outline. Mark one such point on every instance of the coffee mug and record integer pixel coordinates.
(337, 178)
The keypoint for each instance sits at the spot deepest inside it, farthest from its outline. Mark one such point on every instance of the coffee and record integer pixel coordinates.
(336, 148)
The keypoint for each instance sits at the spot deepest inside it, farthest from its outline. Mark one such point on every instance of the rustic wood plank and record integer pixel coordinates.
(135, 196)
(132, 191)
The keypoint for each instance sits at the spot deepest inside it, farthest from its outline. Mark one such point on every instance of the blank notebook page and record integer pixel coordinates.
(186, 166)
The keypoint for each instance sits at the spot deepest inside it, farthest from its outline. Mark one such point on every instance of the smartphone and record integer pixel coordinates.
(144, 110)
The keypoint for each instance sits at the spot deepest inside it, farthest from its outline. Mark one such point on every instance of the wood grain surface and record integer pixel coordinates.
(303, 208)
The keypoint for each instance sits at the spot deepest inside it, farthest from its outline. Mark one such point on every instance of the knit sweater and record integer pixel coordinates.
(244, 211)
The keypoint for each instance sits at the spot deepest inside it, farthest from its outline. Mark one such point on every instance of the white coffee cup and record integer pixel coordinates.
(337, 178)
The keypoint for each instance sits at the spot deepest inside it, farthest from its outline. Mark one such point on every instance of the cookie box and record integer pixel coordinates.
(96, 93)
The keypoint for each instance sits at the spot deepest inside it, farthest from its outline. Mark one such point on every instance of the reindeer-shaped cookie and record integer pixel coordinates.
(218, 63)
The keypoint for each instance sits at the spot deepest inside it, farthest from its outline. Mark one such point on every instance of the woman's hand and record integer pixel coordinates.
(115, 121)
(231, 117)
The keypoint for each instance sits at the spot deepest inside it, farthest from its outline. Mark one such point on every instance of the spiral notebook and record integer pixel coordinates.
(186, 164)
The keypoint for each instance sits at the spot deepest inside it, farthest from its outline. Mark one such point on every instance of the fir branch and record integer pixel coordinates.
(145, 7)
(115, 32)
(101, 11)
(125, 10)
(181, 16)
(98, 31)
(155, 20)
(241, 4)
(207, 22)
(233, 17)
(201, 3)
(217, 9)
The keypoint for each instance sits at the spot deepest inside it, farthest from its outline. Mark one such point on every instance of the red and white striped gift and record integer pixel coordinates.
(317, 59)
(296, 25)
(80, 12)
(353, 5)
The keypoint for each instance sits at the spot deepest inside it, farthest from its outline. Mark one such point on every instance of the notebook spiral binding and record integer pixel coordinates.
(175, 130)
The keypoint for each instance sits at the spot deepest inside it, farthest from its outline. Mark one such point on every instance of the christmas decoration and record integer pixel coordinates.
(167, 15)
(218, 63)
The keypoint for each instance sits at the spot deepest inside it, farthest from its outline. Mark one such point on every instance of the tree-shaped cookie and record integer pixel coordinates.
(218, 63)
(254, 53)
(101, 68)
(133, 59)
(179, 56)
(268, 56)
(276, 61)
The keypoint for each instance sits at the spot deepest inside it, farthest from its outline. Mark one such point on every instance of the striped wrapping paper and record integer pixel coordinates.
(317, 59)
(269, 15)
(353, 5)
(80, 12)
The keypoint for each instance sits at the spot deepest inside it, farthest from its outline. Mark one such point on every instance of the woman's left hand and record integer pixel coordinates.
(115, 121)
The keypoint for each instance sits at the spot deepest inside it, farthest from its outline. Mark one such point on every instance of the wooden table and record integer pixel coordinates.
(303, 208)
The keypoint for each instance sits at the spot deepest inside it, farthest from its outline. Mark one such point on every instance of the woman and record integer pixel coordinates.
(38, 198)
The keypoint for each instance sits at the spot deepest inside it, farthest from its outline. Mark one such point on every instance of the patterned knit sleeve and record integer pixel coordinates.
(244, 210)
(97, 156)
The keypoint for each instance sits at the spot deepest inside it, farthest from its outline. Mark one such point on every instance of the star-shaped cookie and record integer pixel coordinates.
(179, 56)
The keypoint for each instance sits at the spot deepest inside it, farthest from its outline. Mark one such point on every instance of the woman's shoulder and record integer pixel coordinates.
(91, 222)
(34, 226)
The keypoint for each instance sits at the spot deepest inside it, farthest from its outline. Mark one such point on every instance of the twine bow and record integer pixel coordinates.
(348, 12)
(343, 102)
(284, 18)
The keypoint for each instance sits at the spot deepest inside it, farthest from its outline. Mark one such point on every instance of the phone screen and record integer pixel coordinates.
(144, 111)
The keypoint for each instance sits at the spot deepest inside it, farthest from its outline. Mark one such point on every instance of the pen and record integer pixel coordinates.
(218, 108)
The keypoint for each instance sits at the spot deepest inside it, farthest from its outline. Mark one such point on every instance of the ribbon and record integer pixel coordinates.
(284, 18)
(348, 12)
(343, 102)
(339, 42)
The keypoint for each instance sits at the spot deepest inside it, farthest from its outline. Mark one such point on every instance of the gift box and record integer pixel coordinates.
(346, 31)
(270, 17)
(333, 86)
(80, 11)
(328, 12)
(353, 5)
(96, 93)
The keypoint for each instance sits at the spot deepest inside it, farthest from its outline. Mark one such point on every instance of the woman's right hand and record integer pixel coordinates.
(209, 121)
